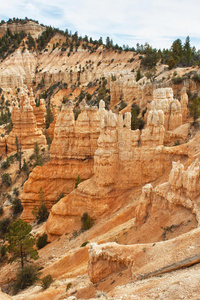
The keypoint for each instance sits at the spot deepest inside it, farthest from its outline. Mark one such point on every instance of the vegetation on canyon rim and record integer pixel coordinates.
(92, 92)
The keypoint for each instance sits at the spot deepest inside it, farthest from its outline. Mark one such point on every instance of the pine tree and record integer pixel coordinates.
(187, 51)
(195, 109)
(19, 153)
(21, 242)
(139, 75)
(177, 51)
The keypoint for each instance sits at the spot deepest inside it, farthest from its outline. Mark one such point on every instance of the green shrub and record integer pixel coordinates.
(177, 80)
(1, 210)
(137, 123)
(4, 224)
(88, 97)
(6, 179)
(65, 100)
(42, 213)
(16, 206)
(46, 281)
(25, 277)
(122, 105)
(3, 251)
(69, 285)
(49, 115)
(138, 75)
(196, 78)
(78, 180)
(87, 221)
(25, 166)
(131, 60)
(135, 109)
(84, 244)
(195, 108)
(113, 77)
(16, 192)
(5, 164)
(177, 143)
(38, 158)
(42, 241)
(76, 114)
(60, 197)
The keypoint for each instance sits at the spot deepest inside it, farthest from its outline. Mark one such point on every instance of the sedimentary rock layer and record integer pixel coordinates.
(72, 155)
(24, 127)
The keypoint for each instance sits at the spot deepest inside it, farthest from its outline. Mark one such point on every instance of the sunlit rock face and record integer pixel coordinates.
(24, 127)
(71, 155)
(123, 159)
(163, 100)
(29, 27)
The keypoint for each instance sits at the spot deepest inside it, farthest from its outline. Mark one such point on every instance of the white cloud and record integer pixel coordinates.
(127, 22)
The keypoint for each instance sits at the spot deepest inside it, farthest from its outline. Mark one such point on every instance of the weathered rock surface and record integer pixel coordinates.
(18, 69)
(4, 296)
(154, 133)
(72, 154)
(2, 145)
(184, 103)
(39, 111)
(51, 128)
(183, 187)
(142, 259)
(119, 164)
(127, 88)
(29, 27)
(163, 100)
(24, 127)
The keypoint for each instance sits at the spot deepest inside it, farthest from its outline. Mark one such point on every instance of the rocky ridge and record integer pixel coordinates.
(29, 27)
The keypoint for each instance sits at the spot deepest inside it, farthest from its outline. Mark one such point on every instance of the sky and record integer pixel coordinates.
(127, 22)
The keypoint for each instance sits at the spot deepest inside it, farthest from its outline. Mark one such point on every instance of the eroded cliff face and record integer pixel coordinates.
(182, 190)
(18, 69)
(29, 27)
(163, 99)
(122, 170)
(126, 88)
(71, 155)
(25, 125)
(123, 159)
(2, 145)
(143, 260)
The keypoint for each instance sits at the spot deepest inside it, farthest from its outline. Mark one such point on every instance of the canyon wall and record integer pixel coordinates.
(181, 190)
(163, 99)
(123, 159)
(128, 89)
(24, 126)
(18, 69)
(71, 155)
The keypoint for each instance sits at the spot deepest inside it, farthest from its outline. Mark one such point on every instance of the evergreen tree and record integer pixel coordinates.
(49, 115)
(187, 51)
(177, 51)
(139, 75)
(19, 153)
(195, 109)
(21, 242)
